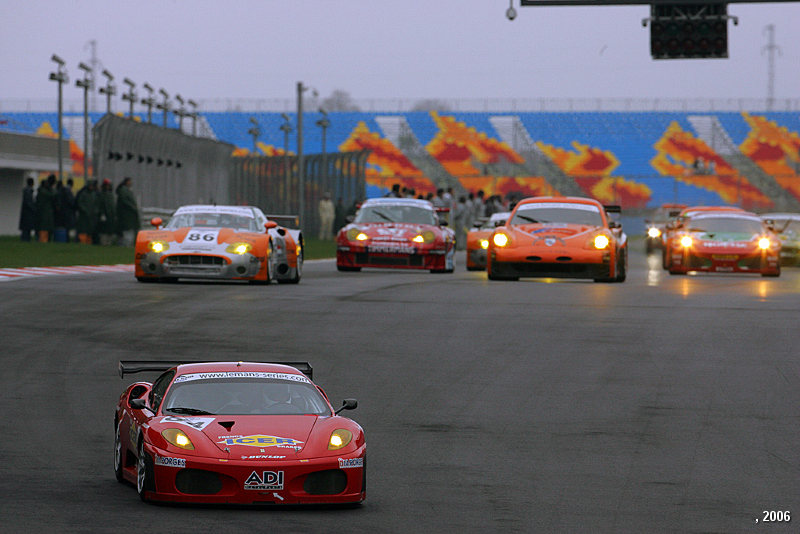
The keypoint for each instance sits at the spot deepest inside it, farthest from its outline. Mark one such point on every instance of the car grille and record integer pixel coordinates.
(329, 482)
(411, 260)
(198, 482)
(193, 259)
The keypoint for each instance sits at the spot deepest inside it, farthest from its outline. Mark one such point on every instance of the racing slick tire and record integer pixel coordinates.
(298, 272)
(346, 269)
(145, 477)
(676, 272)
(499, 278)
(146, 279)
(118, 455)
(621, 268)
(772, 275)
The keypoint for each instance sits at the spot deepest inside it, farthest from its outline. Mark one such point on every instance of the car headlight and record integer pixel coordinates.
(239, 248)
(339, 438)
(653, 232)
(764, 243)
(484, 243)
(354, 234)
(178, 438)
(158, 246)
(424, 237)
(686, 241)
(601, 241)
(500, 239)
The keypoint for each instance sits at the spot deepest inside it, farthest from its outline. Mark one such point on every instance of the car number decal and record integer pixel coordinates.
(198, 423)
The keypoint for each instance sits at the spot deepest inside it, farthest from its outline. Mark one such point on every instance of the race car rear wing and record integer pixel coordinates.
(613, 209)
(127, 367)
(292, 221)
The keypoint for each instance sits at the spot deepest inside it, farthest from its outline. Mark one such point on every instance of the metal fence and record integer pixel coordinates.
(273, 184)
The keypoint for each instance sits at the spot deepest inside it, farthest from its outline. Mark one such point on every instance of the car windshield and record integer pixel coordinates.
(584, 214)
(397, 214)
(243, 396)
(787, 226)
(734, 225)
(237, 221)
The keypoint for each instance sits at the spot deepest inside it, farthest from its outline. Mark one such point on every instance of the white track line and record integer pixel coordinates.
(6, 275)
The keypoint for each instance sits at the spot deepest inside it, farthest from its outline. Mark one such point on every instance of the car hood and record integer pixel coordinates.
(199, 239)
(394, 231)
(261, 436)
(539, 231)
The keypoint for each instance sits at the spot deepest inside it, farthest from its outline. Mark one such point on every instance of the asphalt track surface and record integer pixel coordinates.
(664, 404)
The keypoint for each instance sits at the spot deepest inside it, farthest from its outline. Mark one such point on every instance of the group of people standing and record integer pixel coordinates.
(95, 216)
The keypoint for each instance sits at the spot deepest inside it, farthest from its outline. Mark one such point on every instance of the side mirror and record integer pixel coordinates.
(500, 222)
(348, 404)
(269, 225)
(350, 218)
(443, 222)
(614, 224)
(139, 404)
(157, 222)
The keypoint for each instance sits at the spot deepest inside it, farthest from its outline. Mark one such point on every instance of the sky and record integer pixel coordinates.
(382, 49)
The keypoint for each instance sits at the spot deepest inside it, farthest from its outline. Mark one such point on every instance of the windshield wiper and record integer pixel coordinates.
(188, 411)
(530, 219)
(382, 215)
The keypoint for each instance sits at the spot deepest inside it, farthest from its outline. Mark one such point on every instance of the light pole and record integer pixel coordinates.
(180, 111)
(301, 179)
(323, 123)
(86, 84)
(130, 95)
(194, 116)
(164, 105)
(286, 128)
(255, 131)
(61, 77)
(149, 102)
(109, 90)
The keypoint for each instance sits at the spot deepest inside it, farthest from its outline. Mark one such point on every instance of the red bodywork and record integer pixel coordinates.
(238, 459)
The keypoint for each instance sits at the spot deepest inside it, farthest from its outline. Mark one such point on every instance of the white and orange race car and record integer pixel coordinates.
(219, 243)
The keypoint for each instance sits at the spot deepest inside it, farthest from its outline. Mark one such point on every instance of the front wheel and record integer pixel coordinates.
(118, 456)
(144, 473)
(346, 269)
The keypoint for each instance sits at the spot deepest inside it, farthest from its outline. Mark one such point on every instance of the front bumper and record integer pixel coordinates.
(207, 266)
(413, 258)
(530, 262)
(476, 258)
(326, 480)
(718, 262)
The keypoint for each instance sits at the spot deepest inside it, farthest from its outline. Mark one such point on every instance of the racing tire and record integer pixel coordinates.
(298, 272)
(498, 278)
(118, 454)
(146, 279)
(772, 275)
(145, 477)
(649, 247)
(471, 268)
(676, 272)
(622, 268)
(347, 269)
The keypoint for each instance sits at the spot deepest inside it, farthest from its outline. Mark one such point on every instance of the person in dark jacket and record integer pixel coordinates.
(86, 202)
(107, 225)
(45, 209)
(27, 214)
(65, 208)
(128, 218)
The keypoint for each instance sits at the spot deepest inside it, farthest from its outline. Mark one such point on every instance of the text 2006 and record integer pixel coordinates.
(772, 516)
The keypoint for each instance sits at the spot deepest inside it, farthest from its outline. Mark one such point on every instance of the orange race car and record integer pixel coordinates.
(219, 243)
(559, 237)
(478, 239)
(672, 228)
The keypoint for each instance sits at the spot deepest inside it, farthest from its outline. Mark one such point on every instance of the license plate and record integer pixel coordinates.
(725, 257)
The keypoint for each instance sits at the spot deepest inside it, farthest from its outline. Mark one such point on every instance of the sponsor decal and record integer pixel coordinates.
(731, 244)
(241, 374)
(261, 440)
(263, 457)
(267, 480)
(198, 423)
(234, 210)
(349, 463)
(550, 240)
(561, 205)
(391, 249)
(170, 462)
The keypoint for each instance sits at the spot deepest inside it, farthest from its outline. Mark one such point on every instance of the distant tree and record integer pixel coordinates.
(430, 104)
(339, 101)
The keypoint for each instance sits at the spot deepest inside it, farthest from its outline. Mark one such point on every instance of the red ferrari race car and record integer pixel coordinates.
(236, 432)
(725, 242)
(478, 240)
(219, 243)
(559, 237)
(400, 233)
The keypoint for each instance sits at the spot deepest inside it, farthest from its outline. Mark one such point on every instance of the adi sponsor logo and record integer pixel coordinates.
(267, 480)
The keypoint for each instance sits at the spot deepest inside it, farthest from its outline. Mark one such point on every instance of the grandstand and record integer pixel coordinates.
(638, 159)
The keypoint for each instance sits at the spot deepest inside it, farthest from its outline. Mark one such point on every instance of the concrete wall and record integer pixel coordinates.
(11, 183)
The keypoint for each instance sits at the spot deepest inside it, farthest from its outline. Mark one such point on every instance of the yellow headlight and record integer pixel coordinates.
(354, 234)
(500, 240)
(178, 438)
(601, 242)
(484, 243)
(240, 248)
(339, 438)
(418, 239)
(764, 243)
(686, 241)
(158, 246)
(653, 232)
